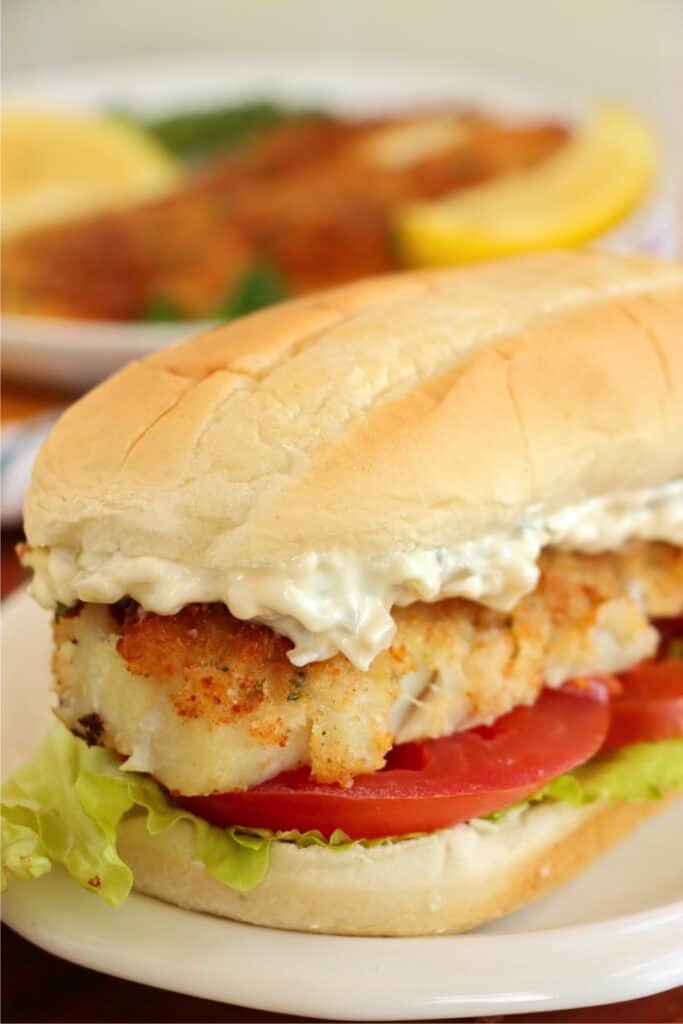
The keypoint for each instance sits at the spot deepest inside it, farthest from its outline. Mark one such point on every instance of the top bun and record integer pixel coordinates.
(405, 412)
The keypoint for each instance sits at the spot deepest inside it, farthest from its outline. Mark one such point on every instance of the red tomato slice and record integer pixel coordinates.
(650, 706)
(433, 784)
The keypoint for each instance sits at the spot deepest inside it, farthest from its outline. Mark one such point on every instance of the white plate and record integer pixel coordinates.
(73, 355)
(615, 933)
(76, 355)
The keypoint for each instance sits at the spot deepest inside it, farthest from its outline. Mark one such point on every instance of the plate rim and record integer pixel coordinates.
(622, 981)
(625, 971)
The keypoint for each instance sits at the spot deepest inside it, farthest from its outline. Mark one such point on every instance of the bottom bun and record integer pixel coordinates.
(450, 881)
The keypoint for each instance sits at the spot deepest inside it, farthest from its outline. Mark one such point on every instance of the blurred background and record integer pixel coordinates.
(625, 47)
(171, 165)
(629, 48)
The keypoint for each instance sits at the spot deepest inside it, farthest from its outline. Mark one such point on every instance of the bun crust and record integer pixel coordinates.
(417, 410)
(449, 882)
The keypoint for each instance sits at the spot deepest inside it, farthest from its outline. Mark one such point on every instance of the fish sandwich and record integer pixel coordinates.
(367, 608)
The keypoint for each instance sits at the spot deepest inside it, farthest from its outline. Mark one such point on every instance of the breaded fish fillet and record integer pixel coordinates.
(312, 199)
(210, 704)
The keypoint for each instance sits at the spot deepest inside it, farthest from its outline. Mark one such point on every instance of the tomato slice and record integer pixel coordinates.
(650, 706)
(432, 784)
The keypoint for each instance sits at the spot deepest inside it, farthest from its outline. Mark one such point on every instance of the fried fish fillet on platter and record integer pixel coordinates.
(312, 198)
(406, 558)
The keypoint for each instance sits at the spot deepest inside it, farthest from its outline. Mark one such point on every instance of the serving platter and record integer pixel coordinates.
(74, 355)
(615, 933)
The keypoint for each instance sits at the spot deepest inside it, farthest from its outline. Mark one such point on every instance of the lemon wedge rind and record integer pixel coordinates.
(592, 183)
(61, 164)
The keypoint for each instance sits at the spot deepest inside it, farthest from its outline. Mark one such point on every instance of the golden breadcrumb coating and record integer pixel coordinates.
(207, 703)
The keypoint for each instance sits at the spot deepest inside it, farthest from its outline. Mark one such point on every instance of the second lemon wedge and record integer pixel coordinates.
(590, 184)
(59, 164)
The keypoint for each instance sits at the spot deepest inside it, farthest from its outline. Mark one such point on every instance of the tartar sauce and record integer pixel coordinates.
(334, 601)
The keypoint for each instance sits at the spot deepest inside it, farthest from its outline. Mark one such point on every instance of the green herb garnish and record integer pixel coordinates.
(296, 686)
(259, 286)
(161, 310)
(60, 609)
(199, 133)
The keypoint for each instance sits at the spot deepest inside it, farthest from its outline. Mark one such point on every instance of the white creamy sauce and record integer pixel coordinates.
(334, 601)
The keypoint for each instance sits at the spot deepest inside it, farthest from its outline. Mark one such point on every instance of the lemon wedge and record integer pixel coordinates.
(589, 184)
(59, 164)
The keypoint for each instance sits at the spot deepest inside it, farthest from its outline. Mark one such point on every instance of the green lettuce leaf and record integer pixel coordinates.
(66, 804)
(643, 771)
(65, 807)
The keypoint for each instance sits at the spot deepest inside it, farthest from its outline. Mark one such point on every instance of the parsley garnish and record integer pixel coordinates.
(60, 609)
(259, 286)
(296, 685)
(160, 310)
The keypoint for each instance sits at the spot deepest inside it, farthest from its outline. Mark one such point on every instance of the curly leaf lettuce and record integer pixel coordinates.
(65, 807)
(643, 771)
(66, 804)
